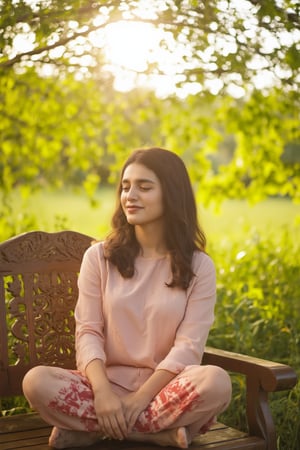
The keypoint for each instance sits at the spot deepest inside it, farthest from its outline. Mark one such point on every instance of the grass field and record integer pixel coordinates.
(236, 219)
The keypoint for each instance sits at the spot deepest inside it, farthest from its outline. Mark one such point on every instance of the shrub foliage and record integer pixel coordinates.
(258, 313)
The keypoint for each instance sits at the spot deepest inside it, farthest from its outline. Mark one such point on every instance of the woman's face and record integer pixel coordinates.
(141, 195)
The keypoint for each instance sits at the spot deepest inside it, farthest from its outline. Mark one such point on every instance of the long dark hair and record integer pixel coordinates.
(183, 234)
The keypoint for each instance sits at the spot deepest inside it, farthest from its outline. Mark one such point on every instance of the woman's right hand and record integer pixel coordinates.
(109, 412)
(108, 406)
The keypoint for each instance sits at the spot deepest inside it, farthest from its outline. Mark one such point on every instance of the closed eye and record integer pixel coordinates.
(142, 184)
(145, 188)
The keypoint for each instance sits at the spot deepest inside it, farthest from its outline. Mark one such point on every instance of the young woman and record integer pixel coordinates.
(146, 303)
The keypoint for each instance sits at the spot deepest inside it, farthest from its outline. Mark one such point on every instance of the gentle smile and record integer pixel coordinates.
(133, 208)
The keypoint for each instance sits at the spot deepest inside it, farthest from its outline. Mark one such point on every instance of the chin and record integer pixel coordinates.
(131, 221)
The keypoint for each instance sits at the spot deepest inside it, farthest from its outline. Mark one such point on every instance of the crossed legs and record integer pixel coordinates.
(185, 407)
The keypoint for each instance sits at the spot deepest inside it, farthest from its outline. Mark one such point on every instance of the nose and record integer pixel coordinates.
(132, 193)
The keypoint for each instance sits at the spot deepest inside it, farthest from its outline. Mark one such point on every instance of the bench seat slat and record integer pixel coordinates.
(30, 432)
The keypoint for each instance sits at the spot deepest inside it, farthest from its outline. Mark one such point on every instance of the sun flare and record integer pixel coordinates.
(131, 48)
(131, 45)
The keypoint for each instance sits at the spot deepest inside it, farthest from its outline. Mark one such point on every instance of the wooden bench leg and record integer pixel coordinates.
(260, 420)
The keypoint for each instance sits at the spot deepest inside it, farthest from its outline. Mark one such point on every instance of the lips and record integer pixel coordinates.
(132, 209)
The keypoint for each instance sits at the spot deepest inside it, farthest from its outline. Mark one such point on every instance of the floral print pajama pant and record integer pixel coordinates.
(64, 399)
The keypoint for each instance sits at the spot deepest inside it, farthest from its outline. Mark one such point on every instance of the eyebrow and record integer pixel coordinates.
(139, 180)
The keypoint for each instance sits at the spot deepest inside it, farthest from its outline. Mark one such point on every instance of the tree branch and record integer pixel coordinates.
(47, 48)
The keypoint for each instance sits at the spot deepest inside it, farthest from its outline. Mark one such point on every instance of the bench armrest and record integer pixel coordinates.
(262, 377)
(272, 376)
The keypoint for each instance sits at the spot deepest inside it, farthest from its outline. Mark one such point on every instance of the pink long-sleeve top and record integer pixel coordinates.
(138, 325)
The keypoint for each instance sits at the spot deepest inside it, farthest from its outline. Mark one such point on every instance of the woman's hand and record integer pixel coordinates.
(111, 418)
(136, 402)
(133, 404)
(117, 416)
(108, 406)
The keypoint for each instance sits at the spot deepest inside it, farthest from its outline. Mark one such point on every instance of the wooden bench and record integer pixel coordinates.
(38, 291)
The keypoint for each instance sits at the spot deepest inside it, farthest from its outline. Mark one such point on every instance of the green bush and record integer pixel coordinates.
(11, 406)
(257, 313)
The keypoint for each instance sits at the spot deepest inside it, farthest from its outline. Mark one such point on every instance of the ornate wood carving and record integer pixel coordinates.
(39, 303)
(36, 246)
(40, 317)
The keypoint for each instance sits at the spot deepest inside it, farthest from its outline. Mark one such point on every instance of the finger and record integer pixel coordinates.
(102, 427)
(113, 427)
(107, 428)
(119, 432)
(122, 423)
(131, 420)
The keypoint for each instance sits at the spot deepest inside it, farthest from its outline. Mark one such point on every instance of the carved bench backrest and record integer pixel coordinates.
(38, 292)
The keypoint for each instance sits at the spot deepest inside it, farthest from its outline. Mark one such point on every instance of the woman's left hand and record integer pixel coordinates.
(136, 402)
(133, 404)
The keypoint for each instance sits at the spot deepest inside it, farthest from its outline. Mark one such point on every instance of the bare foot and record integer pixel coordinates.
(61, 438)
(177, 437)
(182, 437)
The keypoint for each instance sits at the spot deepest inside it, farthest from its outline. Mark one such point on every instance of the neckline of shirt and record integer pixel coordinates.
(153, 258)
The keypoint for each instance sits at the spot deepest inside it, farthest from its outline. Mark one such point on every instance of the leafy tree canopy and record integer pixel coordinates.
(231, 40)
(238, 132)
